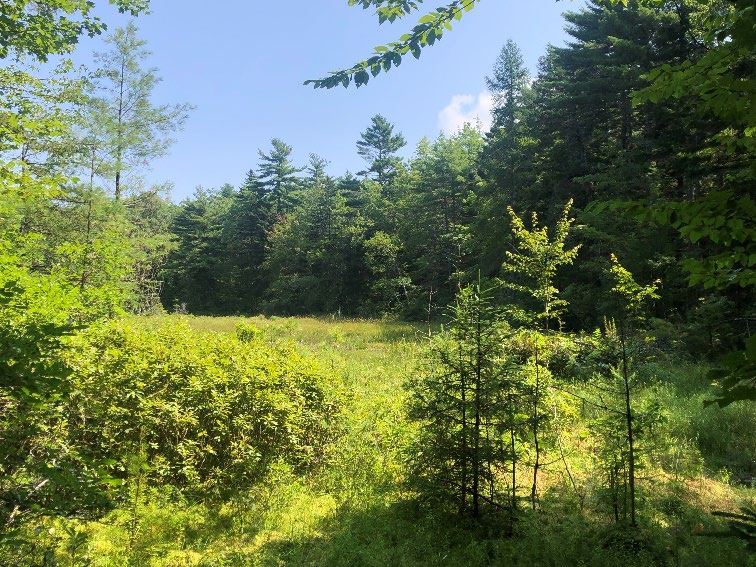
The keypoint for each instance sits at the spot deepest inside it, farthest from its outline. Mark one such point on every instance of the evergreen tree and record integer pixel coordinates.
(459, 402)
(353, 190)
(378, 146)
(245, 236)
(316, 170)
(505, 158)
(278, 175)
(580, 137)
(315, 259)
(508, 85)
(197, 270)
(437, 210)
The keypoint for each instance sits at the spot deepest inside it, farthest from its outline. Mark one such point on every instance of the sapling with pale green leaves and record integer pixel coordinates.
(536, 259)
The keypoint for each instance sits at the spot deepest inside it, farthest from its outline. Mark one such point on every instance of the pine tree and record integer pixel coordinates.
(437, 210)
(509, 85)
(245, 234)
(196, 271)
(580, 137)
(378, 146)
(278, 176)
(316, 169)
(459, 402)
(315, 257)
(505, 157)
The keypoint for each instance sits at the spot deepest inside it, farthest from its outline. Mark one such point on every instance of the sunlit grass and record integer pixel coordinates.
(354, 509)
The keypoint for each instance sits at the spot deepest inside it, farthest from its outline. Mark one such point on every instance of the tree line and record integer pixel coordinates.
(400, 236)
(660, 180)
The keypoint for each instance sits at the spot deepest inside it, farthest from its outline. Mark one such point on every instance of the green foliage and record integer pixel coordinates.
(736, 374)
(721, 82)
(722, 221)
(377, 146)
(502, 157)
(537, 258)
(436, 212)
(391, 288)
(429, 29)
(44, 470)
(194, 271)
(509, 85)
(211, 413)
(56, 222)
(124, 131)
(458, 401)
(278, 176)
(315, 255)
(150, 242)
(53, 26)
(742, 526)
(631, 295)
(356, 508)
(62, 264)
(651, 101)
(246, 228)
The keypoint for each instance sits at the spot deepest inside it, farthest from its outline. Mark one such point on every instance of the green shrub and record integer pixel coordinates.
(42, 469)
(208, 412)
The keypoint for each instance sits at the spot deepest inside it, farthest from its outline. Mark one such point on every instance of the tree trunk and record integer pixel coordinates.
(476, 431)
(630, 436)
(536, 420)
(119, 146)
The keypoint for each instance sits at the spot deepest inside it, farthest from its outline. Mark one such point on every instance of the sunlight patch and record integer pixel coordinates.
(466, 109)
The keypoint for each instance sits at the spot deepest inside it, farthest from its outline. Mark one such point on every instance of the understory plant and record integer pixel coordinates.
(208, 413)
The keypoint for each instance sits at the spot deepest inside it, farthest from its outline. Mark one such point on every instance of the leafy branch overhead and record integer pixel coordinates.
(429, 29)
(53, 26)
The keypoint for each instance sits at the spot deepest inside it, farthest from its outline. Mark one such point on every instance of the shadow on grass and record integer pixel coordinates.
(394, 535)
(402, 534)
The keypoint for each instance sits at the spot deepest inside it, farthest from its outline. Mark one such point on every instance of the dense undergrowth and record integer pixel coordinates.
(207, 413)
(329, 484)
(520, 435)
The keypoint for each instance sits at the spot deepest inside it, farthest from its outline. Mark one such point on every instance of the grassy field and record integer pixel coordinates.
(355, 508)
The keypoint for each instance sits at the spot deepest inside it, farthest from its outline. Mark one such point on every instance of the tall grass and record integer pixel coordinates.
(354, 510)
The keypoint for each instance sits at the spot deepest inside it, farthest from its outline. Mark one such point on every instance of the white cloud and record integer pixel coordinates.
(466, 109)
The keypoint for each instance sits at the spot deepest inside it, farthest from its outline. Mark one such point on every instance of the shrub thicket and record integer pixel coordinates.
(208, 412)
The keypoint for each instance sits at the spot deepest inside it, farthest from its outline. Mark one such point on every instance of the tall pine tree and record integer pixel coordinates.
(378, 146)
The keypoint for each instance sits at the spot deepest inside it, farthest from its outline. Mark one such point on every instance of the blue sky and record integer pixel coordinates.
(241, 64)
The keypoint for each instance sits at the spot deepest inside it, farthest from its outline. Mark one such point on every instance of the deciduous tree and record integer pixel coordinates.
(123, 119)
